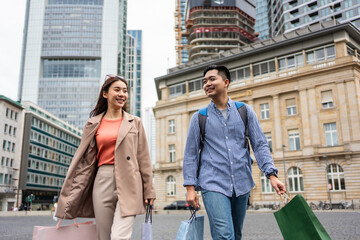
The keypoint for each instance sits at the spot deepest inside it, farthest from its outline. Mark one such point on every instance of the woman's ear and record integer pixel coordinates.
(104, 94)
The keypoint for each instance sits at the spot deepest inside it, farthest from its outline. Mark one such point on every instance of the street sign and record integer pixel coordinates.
(329, 186)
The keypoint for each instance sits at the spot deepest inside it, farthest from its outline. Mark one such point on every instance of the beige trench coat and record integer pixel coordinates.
(132, 171)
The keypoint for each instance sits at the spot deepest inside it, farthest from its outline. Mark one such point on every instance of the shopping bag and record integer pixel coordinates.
(298, 222)
(192, 229)
(146, 228)
(85, 230)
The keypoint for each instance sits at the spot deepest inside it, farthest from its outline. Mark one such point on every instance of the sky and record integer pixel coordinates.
(155, 19)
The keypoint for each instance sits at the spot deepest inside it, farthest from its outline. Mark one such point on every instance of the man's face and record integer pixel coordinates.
(214, 84)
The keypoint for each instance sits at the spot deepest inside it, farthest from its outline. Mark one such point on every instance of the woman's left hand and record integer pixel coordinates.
(151, 201)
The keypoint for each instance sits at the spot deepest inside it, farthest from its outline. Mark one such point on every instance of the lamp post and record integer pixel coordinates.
(283, 149)
(327, 178)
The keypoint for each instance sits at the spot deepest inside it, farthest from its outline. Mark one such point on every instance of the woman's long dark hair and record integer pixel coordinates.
(101, 105)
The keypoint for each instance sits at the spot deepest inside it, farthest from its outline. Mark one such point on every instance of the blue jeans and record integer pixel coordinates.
(226, 214)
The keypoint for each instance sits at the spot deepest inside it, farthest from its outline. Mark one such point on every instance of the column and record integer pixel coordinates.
(314, 121)
(344, 119)
(278, 129)
(354, 114)
(307, 149)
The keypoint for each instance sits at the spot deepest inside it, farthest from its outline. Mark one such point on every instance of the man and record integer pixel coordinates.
(225, 177)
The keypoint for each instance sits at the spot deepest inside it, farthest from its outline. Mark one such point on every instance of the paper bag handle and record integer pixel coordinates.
(60, 220)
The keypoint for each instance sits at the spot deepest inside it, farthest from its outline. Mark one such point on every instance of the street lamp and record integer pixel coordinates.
(327, 178)
(283, 149)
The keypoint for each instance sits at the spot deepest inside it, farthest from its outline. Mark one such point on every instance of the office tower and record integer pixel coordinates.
(214, 26)
(68, 48)
(180, 38)
(47, 149)
(11, 125)
(262, 20)
(133, 70)
(291, 15)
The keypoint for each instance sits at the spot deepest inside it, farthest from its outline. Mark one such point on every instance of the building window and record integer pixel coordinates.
(177, 90)
(265, 184)
(240, 74)
(326, 99)
(320, 54)
(265, 111)
(294, 140)
(336, 177)
(171, 186)
(172, 153)
(172, 126)
(14, 131)
(295, 60)
(2, 161)
(16, 116)
(331, 134)
(13, 147)
(264, 68)
(291, 106)
(269, 140)
(7, 112)
(1, 178)
(195, 85)
(295, 180)
(5, 128)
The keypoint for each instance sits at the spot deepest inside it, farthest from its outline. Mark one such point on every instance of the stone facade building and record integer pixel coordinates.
(304, 87)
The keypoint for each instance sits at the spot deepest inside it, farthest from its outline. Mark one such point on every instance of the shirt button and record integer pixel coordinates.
(227, 137)
(232, 175)
(231, 162)
(225, 124)
(229, 149)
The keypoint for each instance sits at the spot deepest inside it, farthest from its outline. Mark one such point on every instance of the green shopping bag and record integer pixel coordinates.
(298, 222)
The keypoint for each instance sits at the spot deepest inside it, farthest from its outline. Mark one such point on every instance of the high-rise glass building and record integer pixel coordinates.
(133, 70)
(68, 48)
(286, 16)
(262, 20)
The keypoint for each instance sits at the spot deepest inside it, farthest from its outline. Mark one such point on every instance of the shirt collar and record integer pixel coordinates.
(229, 103)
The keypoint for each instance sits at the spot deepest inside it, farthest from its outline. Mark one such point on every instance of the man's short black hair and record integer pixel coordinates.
(222, 71)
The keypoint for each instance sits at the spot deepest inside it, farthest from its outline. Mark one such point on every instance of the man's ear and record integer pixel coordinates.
(227, 83)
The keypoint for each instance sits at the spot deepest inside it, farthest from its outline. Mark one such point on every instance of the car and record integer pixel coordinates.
(178, 205)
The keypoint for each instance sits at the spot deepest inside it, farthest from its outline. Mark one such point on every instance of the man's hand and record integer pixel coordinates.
(277, 185)
(191, 197)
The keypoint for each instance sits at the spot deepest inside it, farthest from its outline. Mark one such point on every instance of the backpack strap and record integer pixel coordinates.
(202, 124)
(241, 107)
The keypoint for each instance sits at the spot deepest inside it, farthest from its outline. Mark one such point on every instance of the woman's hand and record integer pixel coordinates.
(151, 201)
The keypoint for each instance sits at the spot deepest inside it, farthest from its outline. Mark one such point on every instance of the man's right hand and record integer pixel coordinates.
(191, 197)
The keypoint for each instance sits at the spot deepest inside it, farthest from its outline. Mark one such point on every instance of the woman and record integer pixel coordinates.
(110, 176)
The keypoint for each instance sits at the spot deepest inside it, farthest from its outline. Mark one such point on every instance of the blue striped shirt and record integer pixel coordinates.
(225, 162)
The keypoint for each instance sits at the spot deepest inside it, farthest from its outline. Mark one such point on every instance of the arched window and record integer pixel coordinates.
(336, 177)
(295, 180)
(265, 184)
(171, 186)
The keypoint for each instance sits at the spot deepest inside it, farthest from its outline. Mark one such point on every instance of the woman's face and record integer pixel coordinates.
(117, 95)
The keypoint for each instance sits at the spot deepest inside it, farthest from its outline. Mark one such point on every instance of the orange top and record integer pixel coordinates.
(106, 136)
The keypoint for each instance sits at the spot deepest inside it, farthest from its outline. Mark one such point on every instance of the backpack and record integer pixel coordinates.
(241, 107)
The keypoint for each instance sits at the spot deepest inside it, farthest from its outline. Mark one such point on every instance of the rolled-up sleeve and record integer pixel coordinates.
(259, 144)
(191, 154)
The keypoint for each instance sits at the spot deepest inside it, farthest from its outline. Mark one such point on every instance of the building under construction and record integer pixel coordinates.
(214, 26)
(180, 39)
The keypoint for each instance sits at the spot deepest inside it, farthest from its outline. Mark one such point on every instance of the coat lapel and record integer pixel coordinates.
(92, 126)
(125, 127)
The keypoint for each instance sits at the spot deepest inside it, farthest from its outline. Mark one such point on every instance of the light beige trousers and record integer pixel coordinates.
(109, 223)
